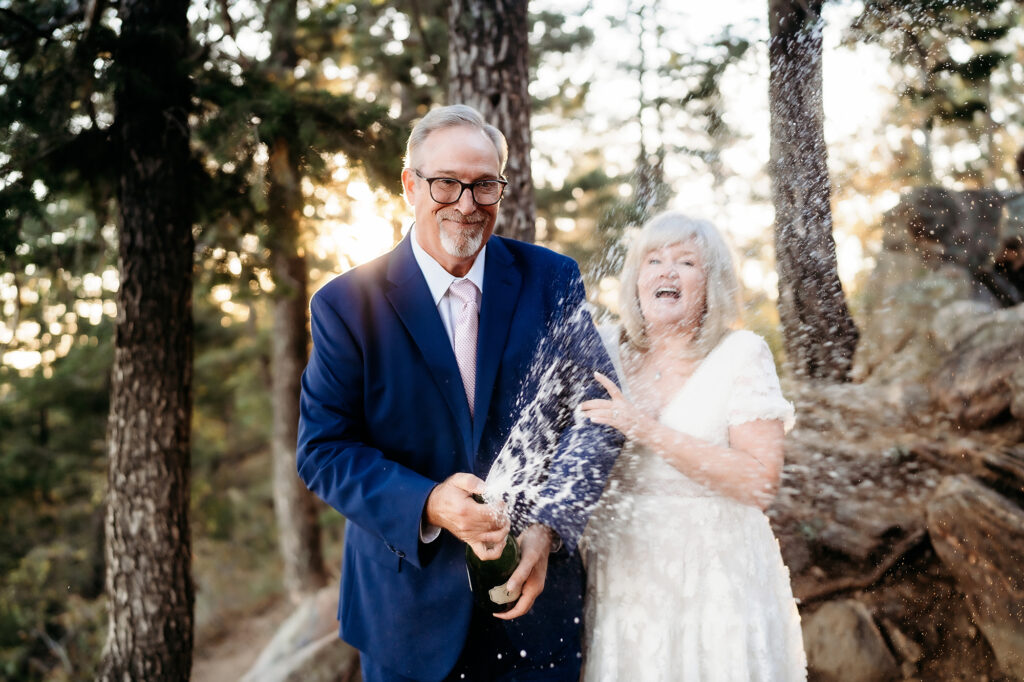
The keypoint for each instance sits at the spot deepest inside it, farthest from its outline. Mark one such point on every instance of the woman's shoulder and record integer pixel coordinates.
(743, 341)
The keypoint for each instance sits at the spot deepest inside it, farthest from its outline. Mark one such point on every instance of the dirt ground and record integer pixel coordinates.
(224, 653)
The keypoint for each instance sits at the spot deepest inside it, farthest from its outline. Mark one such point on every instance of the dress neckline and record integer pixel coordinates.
(689, 380)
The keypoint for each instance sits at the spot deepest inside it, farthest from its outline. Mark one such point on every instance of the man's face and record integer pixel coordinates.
(452, 234)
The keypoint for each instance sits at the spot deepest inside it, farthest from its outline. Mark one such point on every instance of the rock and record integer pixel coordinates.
(329, 659)
(982, 378)
(979, 535)
(900, 301)
(306, 646)
(857, 460)
(1011, 224)
(957, 321)
(907, 650)
(1009, 261)
(939, 247)
(844, 645)
(954, 227)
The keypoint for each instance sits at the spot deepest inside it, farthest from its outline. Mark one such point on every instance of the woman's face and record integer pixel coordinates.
(671, 287)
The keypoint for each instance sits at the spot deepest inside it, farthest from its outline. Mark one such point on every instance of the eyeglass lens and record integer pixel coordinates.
(448, 191)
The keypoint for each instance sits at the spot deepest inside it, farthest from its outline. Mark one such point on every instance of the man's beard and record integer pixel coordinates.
(464, 240)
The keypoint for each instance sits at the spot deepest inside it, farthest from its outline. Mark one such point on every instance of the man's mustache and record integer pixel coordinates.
(457, 217)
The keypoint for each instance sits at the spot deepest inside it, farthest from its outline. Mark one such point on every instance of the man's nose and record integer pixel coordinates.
(466, 204)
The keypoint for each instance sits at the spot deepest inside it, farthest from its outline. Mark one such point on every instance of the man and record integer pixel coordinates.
(422, 363)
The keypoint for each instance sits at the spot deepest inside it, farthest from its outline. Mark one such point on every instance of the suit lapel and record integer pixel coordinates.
(502, 281)
(411, 299)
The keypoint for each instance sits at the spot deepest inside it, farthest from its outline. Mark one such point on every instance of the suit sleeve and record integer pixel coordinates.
(382, 496)
(584, 452)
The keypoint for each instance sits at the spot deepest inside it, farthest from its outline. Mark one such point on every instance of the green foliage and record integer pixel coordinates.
(45, 625)
(52, 471)
(950, 57)
(55, 90)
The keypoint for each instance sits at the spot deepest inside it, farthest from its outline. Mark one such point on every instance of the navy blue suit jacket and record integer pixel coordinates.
(384, 418)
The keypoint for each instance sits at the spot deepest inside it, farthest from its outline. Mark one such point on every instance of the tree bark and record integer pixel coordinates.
(294, 505)
(488, 69)
(818, 333)
(148, 548)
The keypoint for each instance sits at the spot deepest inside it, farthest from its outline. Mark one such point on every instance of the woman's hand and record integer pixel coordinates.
(615, 411)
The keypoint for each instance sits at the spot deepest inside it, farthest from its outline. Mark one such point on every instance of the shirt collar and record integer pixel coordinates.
(439, 279)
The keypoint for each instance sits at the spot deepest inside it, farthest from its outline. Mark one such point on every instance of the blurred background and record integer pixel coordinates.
(635, 106)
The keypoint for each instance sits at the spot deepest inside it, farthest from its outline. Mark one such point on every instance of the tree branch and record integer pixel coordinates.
(848, 583)
(32, 31)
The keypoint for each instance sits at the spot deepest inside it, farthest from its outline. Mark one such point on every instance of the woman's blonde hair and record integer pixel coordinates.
(722, 302)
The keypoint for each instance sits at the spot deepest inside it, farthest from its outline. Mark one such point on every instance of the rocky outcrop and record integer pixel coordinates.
(854, 520)
(843, 644)
(981, 378)
(939, 247)
(979, 535)
(306, 647)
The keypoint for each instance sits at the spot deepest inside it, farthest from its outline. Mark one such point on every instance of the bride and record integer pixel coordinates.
(686, 580)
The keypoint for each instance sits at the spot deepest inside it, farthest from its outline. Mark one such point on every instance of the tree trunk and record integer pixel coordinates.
(148, 548)
(295, 506)
(818, 333)
(488, 69)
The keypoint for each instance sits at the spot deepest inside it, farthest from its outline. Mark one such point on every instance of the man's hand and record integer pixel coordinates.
(452, 507)
(534, 547)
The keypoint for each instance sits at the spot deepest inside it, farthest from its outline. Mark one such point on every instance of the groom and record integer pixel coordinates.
(422, 362)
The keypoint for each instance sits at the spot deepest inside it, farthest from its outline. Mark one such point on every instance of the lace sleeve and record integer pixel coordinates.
(756, 393)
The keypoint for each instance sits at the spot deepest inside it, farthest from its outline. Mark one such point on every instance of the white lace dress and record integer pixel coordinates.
(685, 584)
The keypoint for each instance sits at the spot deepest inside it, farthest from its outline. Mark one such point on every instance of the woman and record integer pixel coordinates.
(686, 581)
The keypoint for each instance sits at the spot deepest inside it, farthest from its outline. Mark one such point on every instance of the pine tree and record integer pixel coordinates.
(148, 541)
(819, 335)
(488, 67)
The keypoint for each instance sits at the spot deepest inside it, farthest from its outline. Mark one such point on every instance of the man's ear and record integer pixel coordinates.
(409, 185)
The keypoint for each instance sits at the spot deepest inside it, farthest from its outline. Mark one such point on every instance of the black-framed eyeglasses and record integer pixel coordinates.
(449, 190)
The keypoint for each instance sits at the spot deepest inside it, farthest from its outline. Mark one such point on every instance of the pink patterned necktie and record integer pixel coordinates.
(467, 323)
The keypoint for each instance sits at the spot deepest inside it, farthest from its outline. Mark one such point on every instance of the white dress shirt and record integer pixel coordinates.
(438, 281)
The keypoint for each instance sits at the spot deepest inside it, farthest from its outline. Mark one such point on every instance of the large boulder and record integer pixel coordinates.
(843, 644)
(979, 535)
(939, 247)
(851, 519)
(306, 647)
(1010, 244)
(981, 379)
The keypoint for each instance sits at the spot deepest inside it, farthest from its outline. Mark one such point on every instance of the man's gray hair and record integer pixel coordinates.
(450, 117)
(722, 303)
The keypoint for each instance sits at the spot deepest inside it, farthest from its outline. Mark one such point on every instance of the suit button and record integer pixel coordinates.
(401, 554)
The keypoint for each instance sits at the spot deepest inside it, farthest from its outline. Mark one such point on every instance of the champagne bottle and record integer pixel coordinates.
(488, 579)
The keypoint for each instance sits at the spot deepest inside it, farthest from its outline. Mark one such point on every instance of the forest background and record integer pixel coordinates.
(635, 106)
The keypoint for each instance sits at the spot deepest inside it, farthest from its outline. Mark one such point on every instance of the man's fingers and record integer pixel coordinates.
(493, 538)
(487, 551)
(467, 482)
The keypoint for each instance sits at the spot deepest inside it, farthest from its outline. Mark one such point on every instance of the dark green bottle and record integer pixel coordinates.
(487, 578)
